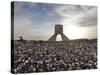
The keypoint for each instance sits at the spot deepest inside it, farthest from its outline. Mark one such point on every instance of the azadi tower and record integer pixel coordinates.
(58, 30)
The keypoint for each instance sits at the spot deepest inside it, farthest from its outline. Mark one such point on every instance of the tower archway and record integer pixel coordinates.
(58, 38)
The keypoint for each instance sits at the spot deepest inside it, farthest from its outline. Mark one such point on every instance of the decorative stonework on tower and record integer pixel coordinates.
(58, 30)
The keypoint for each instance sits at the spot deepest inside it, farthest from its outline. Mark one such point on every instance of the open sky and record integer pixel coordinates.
(36, 21)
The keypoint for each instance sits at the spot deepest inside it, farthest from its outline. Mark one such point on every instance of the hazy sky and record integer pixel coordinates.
(36, 21)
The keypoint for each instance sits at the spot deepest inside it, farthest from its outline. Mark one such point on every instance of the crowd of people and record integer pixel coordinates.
(42, 56)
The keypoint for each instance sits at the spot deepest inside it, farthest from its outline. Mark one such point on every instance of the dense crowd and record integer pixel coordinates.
(42, 56)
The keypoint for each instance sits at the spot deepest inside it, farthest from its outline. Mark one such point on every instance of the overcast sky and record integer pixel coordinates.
(36, 21)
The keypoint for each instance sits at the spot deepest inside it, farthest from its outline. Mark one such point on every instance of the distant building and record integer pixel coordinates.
(58, 30)
(21, 38)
